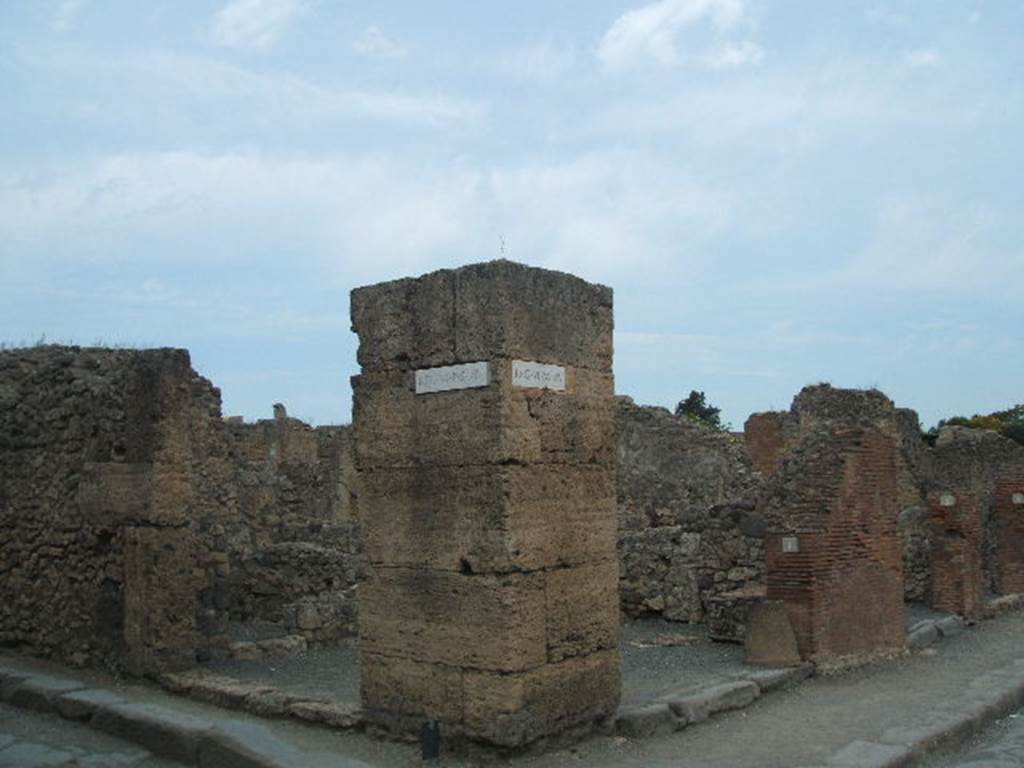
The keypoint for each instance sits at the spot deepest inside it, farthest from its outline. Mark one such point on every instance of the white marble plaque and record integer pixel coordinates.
(790, 544)
(529, 374)
(947, 500)
(1018, 498)
(448, 377)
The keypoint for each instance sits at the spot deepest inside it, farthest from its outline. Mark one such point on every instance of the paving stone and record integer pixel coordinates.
(28, 755)
(698, 707)
(6, 740)
(80, 705)
(868, 754)
(40, 691)
(158, 729)
(10, 679)
(649, 720)
(236, 744)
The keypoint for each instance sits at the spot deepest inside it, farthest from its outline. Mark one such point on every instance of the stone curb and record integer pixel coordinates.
(185, 738)
(990, 697)
(260, 700)
(676, 710)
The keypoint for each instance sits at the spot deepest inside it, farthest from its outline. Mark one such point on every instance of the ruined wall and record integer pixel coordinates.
(294, 548)
(98, 550)
(488, 504)
(687, 527)
(975, 461)
(770, 436)
(832, 551)
(137, 528)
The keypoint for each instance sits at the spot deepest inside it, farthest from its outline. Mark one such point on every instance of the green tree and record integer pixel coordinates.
(696, 407)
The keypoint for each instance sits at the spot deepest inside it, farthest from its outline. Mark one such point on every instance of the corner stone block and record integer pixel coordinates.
(406, 323)
(514, 710)
(393, 688)
(504, 309)
(582, 610)
(484, 622)
(486, 520)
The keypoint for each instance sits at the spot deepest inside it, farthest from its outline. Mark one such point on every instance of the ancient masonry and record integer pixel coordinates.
(956, 577)
(139, 530)
(833, 553)
(485, 441)
(1009, 530)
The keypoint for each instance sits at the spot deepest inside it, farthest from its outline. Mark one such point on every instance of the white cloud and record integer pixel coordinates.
(255, 24)
(376, 45)
(652, 31)
(365, 218)
(543, 61)
(922, 57)
(165, 80)
(65, 15)
(735, 55)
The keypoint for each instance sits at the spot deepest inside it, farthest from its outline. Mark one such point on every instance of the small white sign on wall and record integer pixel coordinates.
(1018, 498)
(790, 544)
(947, 500)
(449, 377)
(526, 373)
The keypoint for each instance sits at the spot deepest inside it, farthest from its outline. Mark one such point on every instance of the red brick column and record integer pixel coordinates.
(1008, 528)
(955, 554)
(833, 553)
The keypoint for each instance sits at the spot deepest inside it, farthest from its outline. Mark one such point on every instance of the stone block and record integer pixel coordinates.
(923, 635)
(582, 609)
(80, 705)
(479, 621)
(39, 692)
(699, 706)
(406, 324)
(770, 638)
(418, 689)
(158, 729)
(395, 427)
(489, 518)
(503, 309)
(514, 710)
(648, 720)
(950, 625)
(773, 679)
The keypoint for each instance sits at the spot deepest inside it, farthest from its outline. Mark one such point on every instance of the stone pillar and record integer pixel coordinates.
(1008, 530)
(485, 444)
(833, 553)
(955, 554)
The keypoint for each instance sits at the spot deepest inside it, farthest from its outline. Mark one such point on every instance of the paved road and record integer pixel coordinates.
(30, 740)
(1001, 746)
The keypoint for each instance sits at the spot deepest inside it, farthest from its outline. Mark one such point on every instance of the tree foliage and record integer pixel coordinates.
(696, 407)
(1009, 423)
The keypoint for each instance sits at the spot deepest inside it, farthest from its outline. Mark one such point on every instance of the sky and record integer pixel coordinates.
(780, 192)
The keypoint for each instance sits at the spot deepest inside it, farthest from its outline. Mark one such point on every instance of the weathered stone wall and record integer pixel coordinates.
(294, 548)
(98, 550)
(137, 527)
(490, 602)
(687, 527)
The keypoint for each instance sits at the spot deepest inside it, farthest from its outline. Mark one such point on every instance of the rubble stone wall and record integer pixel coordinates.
(688, 531)
(98, 552)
